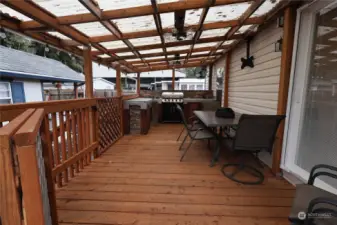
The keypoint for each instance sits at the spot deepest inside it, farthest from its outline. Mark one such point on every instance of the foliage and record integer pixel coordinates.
(22, 43)
(191, 72)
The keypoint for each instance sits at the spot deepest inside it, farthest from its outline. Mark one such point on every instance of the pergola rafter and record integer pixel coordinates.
(117, 46)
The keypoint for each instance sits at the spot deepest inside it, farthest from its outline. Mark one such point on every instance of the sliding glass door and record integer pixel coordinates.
(312, 123)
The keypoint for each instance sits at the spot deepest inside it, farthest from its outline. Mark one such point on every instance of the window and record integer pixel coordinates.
(191, 87)
(5, 93)
(200, 87)
(184, 87)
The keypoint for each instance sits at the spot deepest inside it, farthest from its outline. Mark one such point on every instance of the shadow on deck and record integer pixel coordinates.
(140, 181)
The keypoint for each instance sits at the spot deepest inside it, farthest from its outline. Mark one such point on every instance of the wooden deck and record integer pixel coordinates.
(140, 181)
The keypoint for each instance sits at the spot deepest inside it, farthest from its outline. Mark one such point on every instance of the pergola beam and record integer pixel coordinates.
(131, 12)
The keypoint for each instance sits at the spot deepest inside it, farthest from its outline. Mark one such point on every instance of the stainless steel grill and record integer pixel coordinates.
(172, 97)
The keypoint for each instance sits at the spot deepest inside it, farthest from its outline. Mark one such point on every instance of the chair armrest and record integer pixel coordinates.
(314, 174)
(326, 201)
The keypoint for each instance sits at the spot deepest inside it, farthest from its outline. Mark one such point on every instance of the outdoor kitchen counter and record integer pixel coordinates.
(137, 115)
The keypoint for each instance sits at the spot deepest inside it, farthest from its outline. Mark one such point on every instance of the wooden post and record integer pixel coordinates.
(138, 83)
(118, 81)
(226, 78)
(287, 50)
(89, 89)
(210, 77)
(75, 90)
(173, 78)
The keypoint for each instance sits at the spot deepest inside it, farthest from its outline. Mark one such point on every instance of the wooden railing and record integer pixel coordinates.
(68, 135)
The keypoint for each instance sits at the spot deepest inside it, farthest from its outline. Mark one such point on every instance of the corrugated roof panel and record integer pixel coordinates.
(136, 24)
(178, 48)
(203, 45)
(113, 44)
(228, 42)
(244, 28)
(6, 10)
(92, 29)
(121, 4)
(167, 20)
(155, 57)
(214, 33)
(266, 7)
(62, 7)
(104, 56)
(200, 53)
(145, 41)
(157, 50)
(192, 16)
(58, 35)
(226, 12)
(124, 53)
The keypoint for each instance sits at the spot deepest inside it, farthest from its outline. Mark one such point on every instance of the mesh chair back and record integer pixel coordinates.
(256, 132)
(181, 112)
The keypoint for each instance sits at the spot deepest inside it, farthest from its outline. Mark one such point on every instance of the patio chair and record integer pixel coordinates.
(310, 200)
(193, 124)
(254, 133)
(200, 133)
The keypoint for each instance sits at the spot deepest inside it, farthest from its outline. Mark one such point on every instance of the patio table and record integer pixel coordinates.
(211, 121)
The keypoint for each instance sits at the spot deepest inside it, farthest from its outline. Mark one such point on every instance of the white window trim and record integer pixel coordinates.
(10, 98)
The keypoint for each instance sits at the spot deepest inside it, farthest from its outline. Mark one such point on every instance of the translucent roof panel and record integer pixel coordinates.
(226, 12)
(167, 20)
(178, 48)
(214, 33)
(168, 37)
(200, 53)
(192, 16)
(121, 4)
(62, 7)
(104, 56)
(203, 45)
(145, 41)
(266, 7)
(135, 24)
(131, 60)
(244, 28)
(155, 57)
(113, 44)
(6, 10)
(58, 35)
(157, 50)
(124, 53)
(92, 29)
(166, 1)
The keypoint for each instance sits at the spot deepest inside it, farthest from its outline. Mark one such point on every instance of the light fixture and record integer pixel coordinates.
(2, 33)
(278, 45)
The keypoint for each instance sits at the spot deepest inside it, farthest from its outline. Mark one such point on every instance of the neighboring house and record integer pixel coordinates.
(22, 75)
(146, 78)
(187, 84)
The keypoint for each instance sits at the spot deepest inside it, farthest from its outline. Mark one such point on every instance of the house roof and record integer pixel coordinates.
(19, 64)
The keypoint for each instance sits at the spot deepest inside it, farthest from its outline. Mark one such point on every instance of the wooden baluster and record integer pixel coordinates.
(49, 165)
(75, 135)
(56, 148)
(63, 145)
(95, 127)
(83, 134)
(69, 142)
(87, 133)
(80, 135)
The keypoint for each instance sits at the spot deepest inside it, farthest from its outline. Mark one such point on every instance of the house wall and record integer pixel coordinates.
(255, 90)
(101, 85)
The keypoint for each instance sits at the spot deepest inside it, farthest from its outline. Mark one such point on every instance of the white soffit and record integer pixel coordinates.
(136, 24)
(113, 44)
(266, 7)
(157, 50)
(226, 12)
(92, 29)
(214, 33)
(6, 10)
(62, 7)
(145, 41)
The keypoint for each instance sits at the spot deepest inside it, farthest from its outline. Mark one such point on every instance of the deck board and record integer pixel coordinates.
(140, 181)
